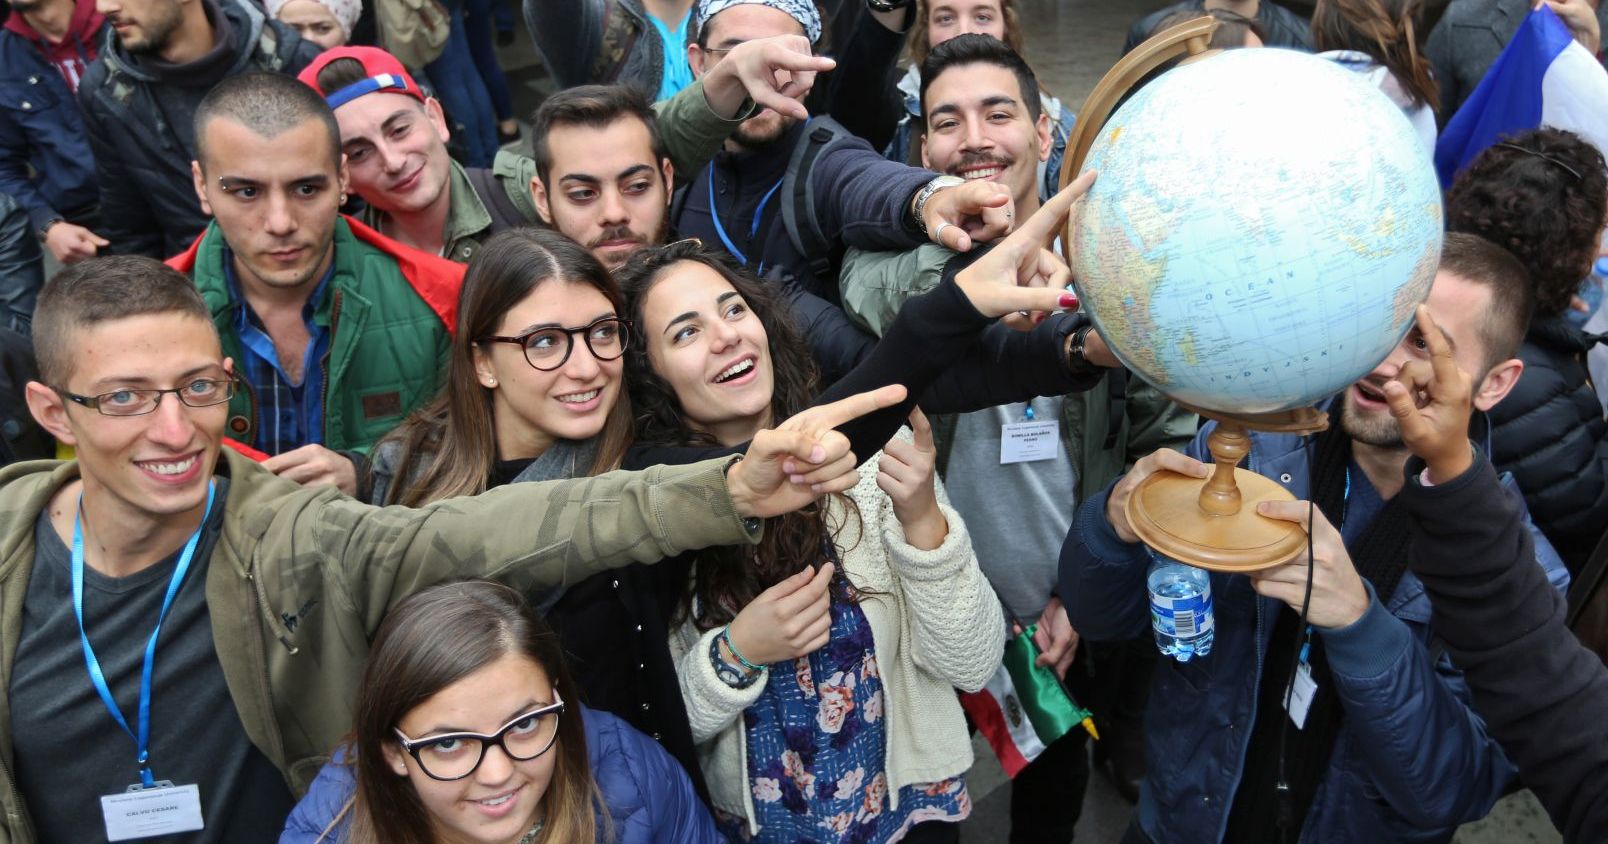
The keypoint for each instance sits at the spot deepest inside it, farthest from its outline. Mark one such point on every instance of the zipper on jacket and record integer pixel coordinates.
(281, 632)
(275, 735)
(1245, 743)
(16, 818)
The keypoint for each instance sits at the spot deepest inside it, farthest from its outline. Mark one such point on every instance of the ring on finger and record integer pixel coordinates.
(938, 233)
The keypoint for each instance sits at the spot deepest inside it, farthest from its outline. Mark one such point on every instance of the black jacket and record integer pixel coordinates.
(144, 141)
(22, 266)
(1550, 433)
(1540, 692)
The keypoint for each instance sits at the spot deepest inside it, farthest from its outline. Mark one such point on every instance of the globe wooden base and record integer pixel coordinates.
(1213, 523)
(1165, 512)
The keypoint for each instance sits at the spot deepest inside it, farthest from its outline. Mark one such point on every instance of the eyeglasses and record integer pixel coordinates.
(202, 392)
(453, 756)
(1544, 157)
(548, 348)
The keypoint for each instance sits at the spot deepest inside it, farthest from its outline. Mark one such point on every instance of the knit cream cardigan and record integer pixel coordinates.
(935, 623)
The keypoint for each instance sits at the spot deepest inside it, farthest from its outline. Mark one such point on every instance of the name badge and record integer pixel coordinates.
(1024, 442)
(143, 812)
(1302, 690)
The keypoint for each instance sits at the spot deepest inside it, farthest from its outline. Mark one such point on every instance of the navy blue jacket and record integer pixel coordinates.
(859, 198)
(40, 127)
(648, 796)
(1412, 761)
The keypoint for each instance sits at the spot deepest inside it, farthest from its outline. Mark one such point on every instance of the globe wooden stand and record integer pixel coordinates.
(1213, 524)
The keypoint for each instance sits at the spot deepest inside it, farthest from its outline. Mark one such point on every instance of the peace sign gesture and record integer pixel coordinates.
(1432, 401)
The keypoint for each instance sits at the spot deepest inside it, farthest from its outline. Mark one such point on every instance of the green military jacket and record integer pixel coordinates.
(692, 135)
(388, 350)
(300, 579)
(874, 285)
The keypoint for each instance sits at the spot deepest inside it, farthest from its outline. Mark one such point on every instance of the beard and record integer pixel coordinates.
(762, 129)
(26, 6)
(153, 34)
(1380, 430)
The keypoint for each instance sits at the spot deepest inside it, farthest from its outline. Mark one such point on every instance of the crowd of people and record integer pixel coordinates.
(384, 466)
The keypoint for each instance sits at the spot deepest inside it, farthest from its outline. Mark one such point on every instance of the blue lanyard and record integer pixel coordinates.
(753, 228)
(96, 676)
(1345, 504)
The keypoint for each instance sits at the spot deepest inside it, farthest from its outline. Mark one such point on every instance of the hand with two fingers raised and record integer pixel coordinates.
(1338, 596)
(1432, 401)
(786, 621)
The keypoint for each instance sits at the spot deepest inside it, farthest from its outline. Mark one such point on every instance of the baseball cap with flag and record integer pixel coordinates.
(382, 72)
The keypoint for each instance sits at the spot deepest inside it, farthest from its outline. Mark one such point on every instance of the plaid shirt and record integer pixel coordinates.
(291, 415)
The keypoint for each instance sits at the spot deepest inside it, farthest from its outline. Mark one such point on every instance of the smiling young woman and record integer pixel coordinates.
(469, 729)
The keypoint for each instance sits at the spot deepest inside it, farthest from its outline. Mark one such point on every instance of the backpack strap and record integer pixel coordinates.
(1588, 582)
(504, 214)
(798, 211)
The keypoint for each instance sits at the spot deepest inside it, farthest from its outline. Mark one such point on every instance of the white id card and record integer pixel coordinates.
(1300, 698)
(1024, 442)
(143, 812)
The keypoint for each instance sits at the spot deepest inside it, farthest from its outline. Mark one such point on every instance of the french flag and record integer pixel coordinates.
(1543, 78)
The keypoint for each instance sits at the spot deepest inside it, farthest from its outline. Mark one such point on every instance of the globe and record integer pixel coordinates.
(1263, 225)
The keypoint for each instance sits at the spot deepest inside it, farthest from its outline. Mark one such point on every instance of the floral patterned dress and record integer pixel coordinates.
(816, 746)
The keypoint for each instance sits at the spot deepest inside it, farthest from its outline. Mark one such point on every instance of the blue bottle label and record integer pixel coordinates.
(1183, 618)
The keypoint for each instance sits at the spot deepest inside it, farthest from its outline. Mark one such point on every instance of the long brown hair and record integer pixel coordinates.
(921, 44)
(451, 443)
(727, 579)
(429, 641)
(1387, 31)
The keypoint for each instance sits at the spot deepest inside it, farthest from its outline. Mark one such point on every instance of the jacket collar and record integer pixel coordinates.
(246, 20)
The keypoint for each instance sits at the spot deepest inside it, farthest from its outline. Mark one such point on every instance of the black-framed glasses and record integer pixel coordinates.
(453, 756)
(547, 348)
(202, 392)
(1550, 159)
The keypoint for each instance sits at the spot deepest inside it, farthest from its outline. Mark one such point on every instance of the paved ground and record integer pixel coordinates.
(1071, 44)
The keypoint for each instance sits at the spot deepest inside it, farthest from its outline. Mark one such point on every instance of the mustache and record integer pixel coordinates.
(616, 233)
(971, 160)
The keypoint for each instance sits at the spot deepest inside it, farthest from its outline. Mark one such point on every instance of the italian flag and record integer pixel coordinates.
(1024, 707)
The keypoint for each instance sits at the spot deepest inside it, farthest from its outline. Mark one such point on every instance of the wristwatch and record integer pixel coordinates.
(730, 674)
(1075, 360)
(886, 5)
(919, 208)
(45, 229)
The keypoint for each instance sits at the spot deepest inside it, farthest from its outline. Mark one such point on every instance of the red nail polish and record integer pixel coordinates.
(1069, 301)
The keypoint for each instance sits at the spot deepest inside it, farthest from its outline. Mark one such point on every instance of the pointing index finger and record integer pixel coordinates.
(851, 408)
(1047, 221)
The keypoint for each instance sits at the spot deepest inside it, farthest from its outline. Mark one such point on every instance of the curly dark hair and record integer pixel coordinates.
(727, 579)
(1542, 195)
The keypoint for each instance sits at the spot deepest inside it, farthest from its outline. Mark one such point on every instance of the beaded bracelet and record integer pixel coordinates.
(725, 635)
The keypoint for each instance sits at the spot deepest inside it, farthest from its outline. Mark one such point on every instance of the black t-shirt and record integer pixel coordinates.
(70, 752)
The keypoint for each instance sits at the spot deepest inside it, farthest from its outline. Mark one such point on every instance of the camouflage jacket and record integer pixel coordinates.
(301, 578)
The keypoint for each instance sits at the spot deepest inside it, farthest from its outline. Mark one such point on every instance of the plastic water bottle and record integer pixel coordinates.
(1181, 609)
